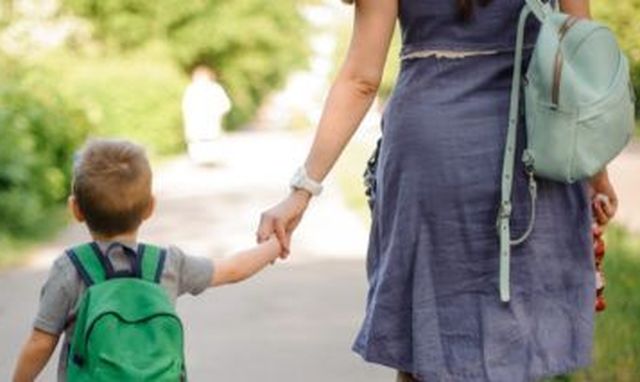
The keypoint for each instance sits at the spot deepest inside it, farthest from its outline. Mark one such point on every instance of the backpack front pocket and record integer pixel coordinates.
(551, 136)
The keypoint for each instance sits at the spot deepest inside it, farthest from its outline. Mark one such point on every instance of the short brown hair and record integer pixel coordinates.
(112, 185)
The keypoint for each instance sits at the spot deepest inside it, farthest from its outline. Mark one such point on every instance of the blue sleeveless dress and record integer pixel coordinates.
(433, 307)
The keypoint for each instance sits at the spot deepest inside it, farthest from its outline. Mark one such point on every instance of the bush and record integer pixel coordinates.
(137, 96)
(252, 44)
(40, 132)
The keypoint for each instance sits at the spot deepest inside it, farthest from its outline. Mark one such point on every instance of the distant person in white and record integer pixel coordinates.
(204, 105)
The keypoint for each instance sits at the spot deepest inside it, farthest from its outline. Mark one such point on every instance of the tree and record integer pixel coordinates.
(251, 44)
(40, 132)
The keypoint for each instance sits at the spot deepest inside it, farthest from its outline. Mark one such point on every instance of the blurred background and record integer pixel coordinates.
(74, 69)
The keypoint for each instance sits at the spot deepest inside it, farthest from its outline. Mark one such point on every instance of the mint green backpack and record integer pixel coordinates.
(126, 327)
(579, 110)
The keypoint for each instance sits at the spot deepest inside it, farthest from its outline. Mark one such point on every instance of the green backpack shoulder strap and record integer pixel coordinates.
(88, 261)
(151, 260)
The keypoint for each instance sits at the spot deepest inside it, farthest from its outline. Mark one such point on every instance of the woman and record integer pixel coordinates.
(434, 311)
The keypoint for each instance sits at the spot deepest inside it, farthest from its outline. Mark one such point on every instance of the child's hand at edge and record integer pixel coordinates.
(246, 263)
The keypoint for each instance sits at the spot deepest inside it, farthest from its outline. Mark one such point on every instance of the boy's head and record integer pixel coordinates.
(111, 188)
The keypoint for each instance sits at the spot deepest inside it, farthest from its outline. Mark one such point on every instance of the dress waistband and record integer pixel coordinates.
(452, 54)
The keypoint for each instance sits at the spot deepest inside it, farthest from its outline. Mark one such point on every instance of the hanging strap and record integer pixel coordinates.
(506, 207)
(540, 8)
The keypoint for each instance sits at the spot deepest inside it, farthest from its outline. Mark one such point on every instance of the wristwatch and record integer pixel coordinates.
(301, 181)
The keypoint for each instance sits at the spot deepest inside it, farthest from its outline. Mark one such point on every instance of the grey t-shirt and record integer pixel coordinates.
(64, 287)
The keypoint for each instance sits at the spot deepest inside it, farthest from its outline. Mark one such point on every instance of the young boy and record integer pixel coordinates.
(112, 196)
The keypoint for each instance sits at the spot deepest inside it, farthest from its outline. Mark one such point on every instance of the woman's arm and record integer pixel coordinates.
(356, 84)
(348, 101)
(579, 8)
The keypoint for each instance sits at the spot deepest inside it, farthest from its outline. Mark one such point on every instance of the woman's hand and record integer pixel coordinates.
(604, 200)
(283, 218)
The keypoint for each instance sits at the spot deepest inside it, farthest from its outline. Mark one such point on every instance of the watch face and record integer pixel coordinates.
(297, 180)
(300, 180)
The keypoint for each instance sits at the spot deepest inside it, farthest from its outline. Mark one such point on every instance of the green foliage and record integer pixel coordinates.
(622, 17)
(40, 132)
(251, 44)
(137, 96)
(121, 23)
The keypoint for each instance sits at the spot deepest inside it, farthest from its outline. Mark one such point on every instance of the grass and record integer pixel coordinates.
(616, 355)
(617, 350)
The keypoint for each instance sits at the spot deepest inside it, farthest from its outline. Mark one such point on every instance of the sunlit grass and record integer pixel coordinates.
(617, 350)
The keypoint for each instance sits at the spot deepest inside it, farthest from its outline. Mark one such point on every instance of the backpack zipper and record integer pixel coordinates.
(557, 70)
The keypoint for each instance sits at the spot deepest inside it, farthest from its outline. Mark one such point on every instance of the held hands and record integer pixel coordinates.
(282, 219)
(604, 201)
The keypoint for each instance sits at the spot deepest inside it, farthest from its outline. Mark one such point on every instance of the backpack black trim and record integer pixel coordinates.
(86, 278)
(160, 269)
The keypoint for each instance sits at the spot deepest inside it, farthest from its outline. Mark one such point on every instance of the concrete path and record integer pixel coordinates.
(624, 172)
(294, 322)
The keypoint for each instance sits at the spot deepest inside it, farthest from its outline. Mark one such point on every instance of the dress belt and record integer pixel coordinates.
(452, 54)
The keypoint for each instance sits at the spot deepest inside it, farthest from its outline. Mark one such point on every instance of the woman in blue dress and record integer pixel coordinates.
(433, 309)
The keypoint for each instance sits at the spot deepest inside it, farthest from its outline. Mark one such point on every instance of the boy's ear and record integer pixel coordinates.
(150, 208)
(72, 202)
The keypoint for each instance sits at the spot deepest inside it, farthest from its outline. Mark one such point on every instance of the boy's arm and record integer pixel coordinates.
(34, 356)
(245, 264)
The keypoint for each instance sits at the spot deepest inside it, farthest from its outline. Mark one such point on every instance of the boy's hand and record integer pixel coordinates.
(245, 264)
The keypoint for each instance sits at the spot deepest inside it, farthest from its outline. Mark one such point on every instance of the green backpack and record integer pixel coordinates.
(579, 109)
(126, 328)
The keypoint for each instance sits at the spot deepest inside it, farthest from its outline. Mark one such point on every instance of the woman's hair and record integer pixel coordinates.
(465, 7)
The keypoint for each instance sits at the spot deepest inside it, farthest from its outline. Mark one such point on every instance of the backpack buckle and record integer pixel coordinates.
(505, 210)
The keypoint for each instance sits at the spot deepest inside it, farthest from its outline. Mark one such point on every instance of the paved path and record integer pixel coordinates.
(294, 322)
(625, 175)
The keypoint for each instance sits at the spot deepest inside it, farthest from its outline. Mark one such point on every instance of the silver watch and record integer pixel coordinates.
(301, 181)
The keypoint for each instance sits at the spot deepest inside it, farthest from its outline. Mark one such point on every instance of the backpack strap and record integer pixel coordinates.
(151, 260)
(88, 262)
(506, 207)
(541, 8)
